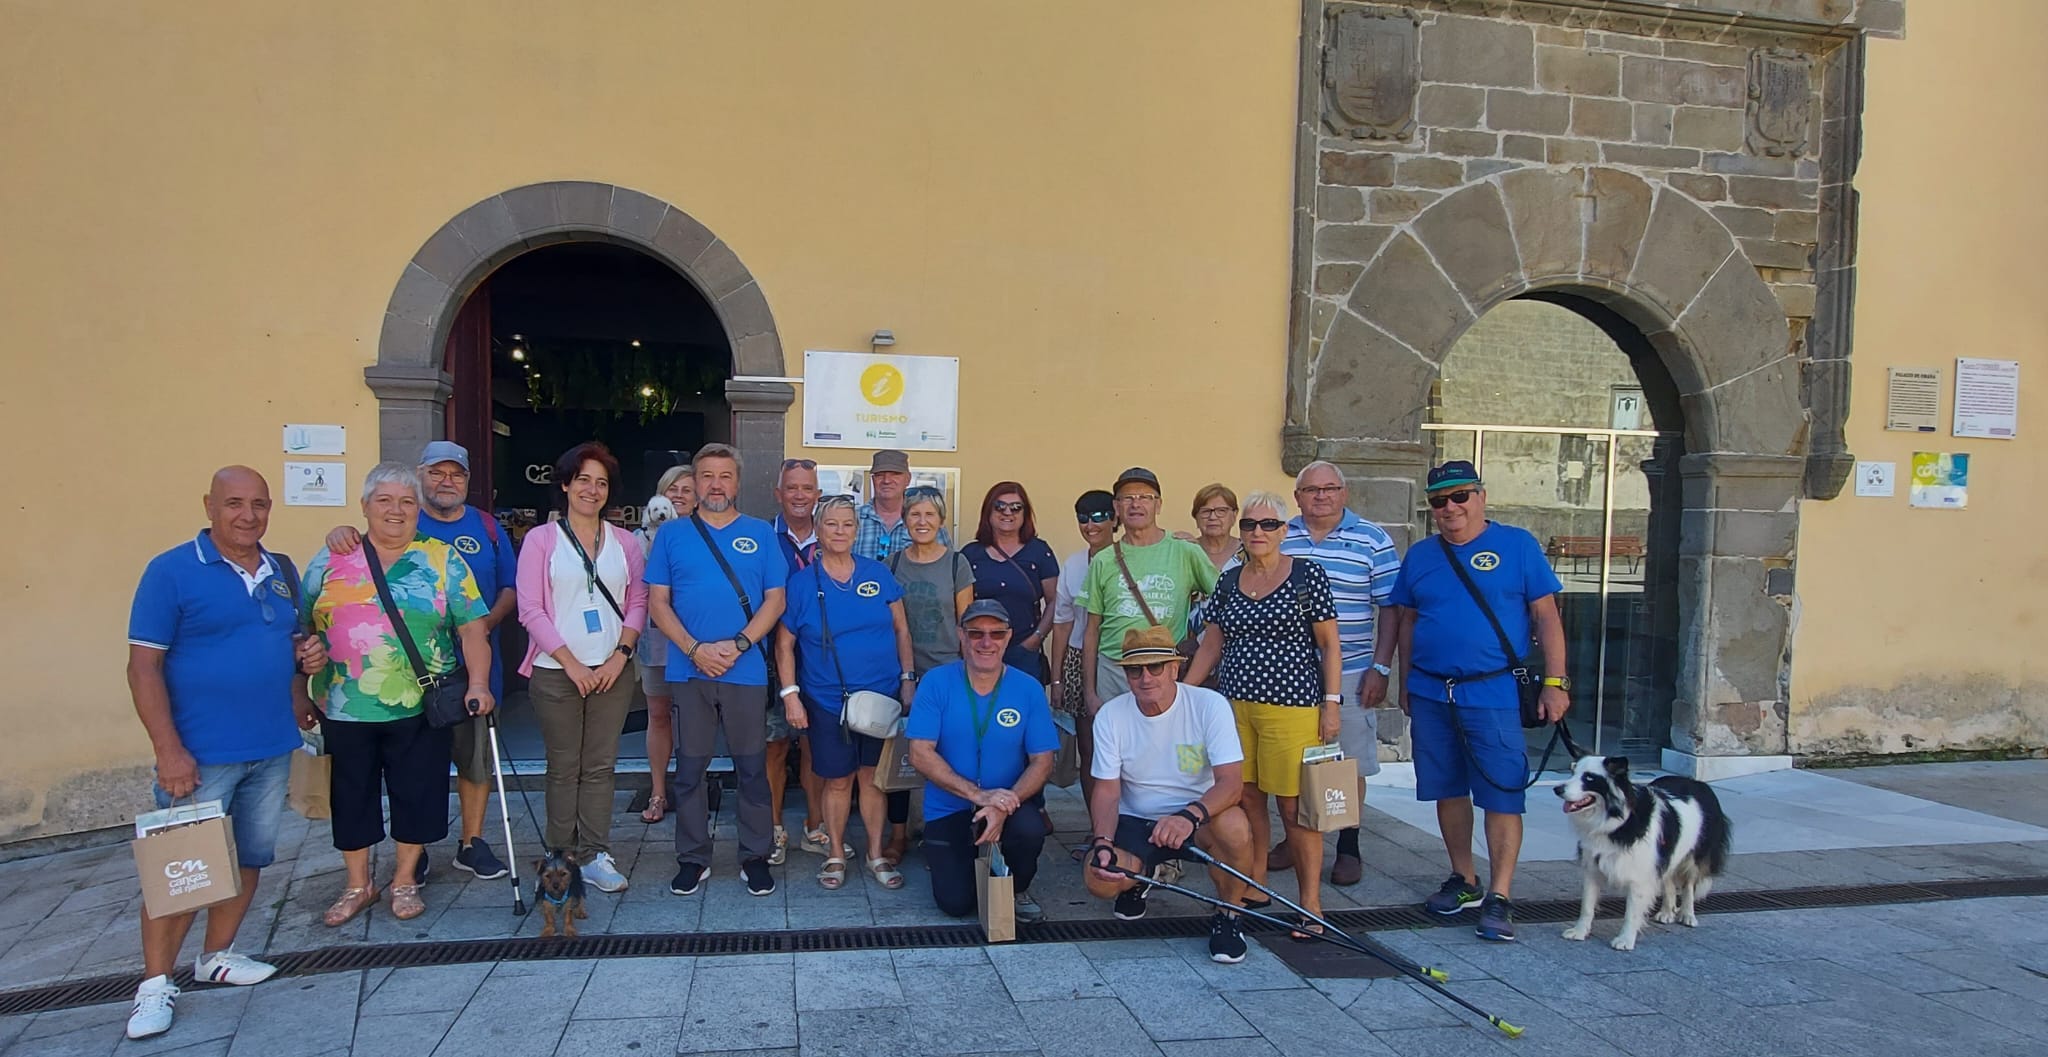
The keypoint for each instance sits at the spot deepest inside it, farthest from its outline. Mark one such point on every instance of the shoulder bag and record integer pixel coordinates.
(746, 607)
(443, 698)
(860, 711)
(1522, 667)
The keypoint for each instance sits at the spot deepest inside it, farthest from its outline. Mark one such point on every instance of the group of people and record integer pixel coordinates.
(1198, 669)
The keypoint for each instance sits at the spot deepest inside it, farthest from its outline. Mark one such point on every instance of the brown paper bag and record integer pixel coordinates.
(186, 865)
(997, 894)
(895, 774)
(1329, 795)
(310, 785)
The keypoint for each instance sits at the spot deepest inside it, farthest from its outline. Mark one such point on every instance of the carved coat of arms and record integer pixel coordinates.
(1371, 72)
(1780, 102)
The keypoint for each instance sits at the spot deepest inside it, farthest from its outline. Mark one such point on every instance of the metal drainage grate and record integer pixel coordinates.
(349, 958)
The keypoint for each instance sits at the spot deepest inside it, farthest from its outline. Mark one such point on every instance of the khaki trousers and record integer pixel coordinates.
(581, 736)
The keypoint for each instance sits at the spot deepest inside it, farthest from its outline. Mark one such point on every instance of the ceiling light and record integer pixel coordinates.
(636, 343)
(646, 390)
(519, 354)
(518, 337)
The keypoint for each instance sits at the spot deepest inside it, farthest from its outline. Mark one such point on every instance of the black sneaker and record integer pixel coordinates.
(476, 857)
(1226, 941)
(1130, 903)
(688, 880)
(1455, 895)
(1497, 919)
(759, 881)
(419, 873)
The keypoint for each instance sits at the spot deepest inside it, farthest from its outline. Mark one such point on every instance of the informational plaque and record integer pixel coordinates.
(1987, 398)
(1912, 399)
(315, 484)
(857, 400)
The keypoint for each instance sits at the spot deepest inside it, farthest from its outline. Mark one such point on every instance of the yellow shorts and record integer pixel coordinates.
(1274, 737)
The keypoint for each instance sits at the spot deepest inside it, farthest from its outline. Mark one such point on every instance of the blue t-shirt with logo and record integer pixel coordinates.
(1452, 636)
(228, 651)
(863, 631)
(1016, 719)
(703, 598)
(491, 562)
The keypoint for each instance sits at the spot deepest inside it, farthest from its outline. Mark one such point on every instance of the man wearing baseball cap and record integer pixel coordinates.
(981, 733)
(1462, 696)
(881, 530)
(1147, 578)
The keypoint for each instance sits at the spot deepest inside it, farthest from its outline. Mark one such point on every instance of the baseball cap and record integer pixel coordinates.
(1136, 473)
(890, 460)
(1451, 474)
(984, 607)
(445, 451)
(1148, 645)
(1095, 501)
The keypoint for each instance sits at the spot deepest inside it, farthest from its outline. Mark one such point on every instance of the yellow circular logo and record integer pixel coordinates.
(1486, 561)
(468, 544)
(881, 385)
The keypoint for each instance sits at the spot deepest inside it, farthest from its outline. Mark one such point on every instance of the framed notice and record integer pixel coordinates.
(1987, 398)
(859, 400)
(1912, 399)
(1941, 480)
(315, 484)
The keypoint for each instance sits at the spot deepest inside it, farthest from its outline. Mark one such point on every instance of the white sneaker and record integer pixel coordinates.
(603, 874)
(153, 1008)
(227, 967)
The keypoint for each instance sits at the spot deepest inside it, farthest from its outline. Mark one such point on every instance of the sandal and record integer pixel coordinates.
(1305, 930)
(885, 872)
(833, 874)
(657, 807)
(353, 901)
(406, 903)
(816, 840)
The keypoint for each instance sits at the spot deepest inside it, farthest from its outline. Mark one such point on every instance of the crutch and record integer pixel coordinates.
(511, 854)
(1429, 977)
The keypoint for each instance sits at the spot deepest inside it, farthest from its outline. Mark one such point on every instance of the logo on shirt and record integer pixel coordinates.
(1486, 561)
(745, 545)
(1192, 758)
(1009, 717)
(278, 588)
(468, 544)
(868, 589)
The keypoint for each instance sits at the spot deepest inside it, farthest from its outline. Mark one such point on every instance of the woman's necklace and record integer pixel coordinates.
(1268, 580)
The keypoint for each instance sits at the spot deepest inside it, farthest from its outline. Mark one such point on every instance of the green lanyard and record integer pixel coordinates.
(980, 716)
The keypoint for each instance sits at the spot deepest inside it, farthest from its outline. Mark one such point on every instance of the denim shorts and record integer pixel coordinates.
(1488, 763)
(253, 796)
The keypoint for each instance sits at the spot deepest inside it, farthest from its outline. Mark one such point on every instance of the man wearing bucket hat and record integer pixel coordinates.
(1168, 771)
(1462, 699)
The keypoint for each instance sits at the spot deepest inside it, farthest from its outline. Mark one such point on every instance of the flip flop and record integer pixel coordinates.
(656, 806)
(833, 874)
(353, 901)
(885, 873)
(1305, 931)
(406, 903)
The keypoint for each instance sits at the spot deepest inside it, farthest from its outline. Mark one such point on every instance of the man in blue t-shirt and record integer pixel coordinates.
(715, 586)
(211, 651)
(487, 550)
(982, 735)
(1462, 698)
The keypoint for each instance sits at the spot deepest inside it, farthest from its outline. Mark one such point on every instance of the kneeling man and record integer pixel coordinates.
(982, 735)
(1168, 770)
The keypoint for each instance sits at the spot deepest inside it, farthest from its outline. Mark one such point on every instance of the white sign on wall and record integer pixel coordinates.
(859, 400)
(1987, 398)
(315, 440)
(315, 484)
(1626, 412)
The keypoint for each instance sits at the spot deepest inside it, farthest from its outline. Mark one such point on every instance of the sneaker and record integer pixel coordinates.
(1346, 870)
(603, 873)
(1455, 895)
(154, 1002)
(1028, 909)
(759, 881)
(476, 857)
(227, 967)
(688, 879)
(1226, 942)
(1497, 919)
(419, 873)
(1130, 903)
(780, 853)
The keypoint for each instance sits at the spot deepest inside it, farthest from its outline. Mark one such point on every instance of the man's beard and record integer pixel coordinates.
(716, 504)
(453, 506)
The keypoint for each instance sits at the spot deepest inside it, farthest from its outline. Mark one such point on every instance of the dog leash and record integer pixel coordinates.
(1559, 733)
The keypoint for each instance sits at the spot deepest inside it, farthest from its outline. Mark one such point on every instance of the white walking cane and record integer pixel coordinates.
(511, 854)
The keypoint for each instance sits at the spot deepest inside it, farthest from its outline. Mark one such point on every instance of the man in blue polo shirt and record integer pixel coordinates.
(211, 669)
(982, 735)
(715, 586)
(1461, 698)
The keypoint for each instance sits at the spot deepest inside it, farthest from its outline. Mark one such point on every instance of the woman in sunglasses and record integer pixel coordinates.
(1095, 512)
(1016, 568)
(938, 584)
(1271, 637)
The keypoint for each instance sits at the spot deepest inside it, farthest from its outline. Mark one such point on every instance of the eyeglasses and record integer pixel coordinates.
(985, 635)
(1008, 508)
(1095, 517)
(799, 464)
(1216, 511)
(1269, 524)
(1155, 669)
(1320, 489)
(1437, 502)
(1138, 497)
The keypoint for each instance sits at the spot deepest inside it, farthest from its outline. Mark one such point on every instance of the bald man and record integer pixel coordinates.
(213, 667)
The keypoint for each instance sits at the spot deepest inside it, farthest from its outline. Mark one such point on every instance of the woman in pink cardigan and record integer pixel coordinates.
(583, 601)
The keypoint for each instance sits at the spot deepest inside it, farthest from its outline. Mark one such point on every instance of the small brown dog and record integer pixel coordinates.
(558, 889)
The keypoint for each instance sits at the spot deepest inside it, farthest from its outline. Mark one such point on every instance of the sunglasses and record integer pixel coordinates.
(1437, 502)
(1269, 524)
(1154, 669)
(799, 464)
(921, 491)
(1008, 508)
(985, 635)
(1095, 518)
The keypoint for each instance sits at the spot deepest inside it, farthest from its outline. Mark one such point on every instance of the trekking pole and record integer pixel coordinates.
(511, 854)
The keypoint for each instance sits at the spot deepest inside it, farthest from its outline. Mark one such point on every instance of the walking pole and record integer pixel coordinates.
(511, 854)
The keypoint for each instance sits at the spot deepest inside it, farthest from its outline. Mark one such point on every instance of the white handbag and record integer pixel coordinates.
(875, 715)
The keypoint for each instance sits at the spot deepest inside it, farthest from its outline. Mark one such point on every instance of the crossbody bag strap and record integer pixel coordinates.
(1132, 583)
(590, 567)
(412, 650)
(1037, 596)
(825, 631)
(1507, 647)
(724, 566)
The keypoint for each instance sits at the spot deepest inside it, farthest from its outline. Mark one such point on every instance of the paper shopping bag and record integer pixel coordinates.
(996, 891)
(1066, 763)
(1329, 790)
(311, 781)
(894, 773)
(185, 859)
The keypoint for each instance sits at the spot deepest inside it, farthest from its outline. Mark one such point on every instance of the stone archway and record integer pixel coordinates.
(1384, 325)
(413, 387)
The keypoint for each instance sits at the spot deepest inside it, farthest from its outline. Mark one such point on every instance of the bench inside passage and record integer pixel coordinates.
(1581, 550)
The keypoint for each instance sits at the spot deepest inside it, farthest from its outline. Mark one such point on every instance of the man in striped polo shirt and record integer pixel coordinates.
(1359, 558)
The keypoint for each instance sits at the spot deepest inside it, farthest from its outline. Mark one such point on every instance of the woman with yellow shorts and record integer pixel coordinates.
(1271, 638)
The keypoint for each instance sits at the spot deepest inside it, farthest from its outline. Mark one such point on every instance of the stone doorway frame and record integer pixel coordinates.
(413, 386)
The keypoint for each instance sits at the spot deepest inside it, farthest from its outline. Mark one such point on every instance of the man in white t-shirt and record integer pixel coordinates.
(1168, 769)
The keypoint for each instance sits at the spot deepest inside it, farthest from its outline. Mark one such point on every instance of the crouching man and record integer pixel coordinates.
(1168, 770)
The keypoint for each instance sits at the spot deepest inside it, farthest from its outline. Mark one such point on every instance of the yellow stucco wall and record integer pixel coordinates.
(1920, 628)
(205, 210)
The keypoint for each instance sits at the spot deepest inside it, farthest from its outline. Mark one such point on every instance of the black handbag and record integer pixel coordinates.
(443, 698)
(1522, 668)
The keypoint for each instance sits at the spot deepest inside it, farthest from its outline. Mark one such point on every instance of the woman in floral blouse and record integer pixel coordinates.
(375, 722)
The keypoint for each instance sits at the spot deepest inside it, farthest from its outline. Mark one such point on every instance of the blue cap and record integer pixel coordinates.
(984, 607)
(1450, 474)
(445, 451)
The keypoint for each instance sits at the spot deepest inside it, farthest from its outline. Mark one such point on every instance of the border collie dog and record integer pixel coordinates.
(1669, 836)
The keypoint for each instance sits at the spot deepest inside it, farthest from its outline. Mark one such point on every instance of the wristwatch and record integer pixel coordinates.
(740, 640)
(1562, 682)
(623, 650)
(1383, 669)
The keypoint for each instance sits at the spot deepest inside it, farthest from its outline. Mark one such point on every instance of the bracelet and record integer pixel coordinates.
(1333, 699)
(691, 652)
(1190, 816)
(1203, 808)
(787, 690)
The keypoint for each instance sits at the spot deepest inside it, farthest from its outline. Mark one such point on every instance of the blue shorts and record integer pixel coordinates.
(1493, 742)
(253, 795)
(835, 752)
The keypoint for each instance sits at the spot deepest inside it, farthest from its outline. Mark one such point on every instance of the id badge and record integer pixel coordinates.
(591, 622)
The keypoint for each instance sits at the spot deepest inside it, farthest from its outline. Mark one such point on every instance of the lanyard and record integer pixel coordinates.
(981, 717)
(589, 567)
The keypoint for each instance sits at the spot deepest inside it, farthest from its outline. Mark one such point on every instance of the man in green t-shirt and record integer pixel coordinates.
(1167, 570)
